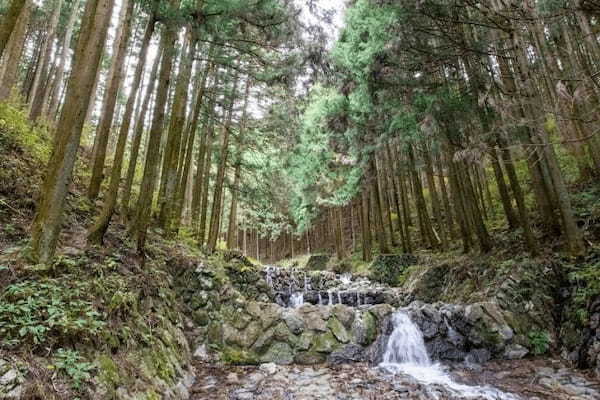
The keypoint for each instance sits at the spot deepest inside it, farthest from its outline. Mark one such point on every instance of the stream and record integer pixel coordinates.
(405, 369)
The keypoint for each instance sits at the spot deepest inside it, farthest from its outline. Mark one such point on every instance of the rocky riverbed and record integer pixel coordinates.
(526, 379)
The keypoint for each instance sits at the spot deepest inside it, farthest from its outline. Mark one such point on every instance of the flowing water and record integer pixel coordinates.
(406, 354)
(296, 299)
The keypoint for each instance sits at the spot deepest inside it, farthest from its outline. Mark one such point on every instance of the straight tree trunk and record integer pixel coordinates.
(10, 20)
(186, 174)
(509, 213)
(382, 234)
(40, 86)
(110, 98)
(167, 193)
(98, 230)
(138, 131)
(365, 225)
(232, 229)
(13, 52)
(215, 216)
(46, 226)
(144, 204)
(55, 88)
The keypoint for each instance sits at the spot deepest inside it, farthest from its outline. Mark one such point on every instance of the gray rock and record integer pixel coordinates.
(515, 352)
(279, 353)
(269, 368)
(294, 322)
(338, 330)
(347, 353)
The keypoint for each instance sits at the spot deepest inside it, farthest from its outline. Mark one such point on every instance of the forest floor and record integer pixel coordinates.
(537, 378)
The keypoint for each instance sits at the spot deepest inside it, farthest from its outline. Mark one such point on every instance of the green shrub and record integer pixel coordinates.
(539, 341)
(16, 131)
(72, 364)
(389, 268)
(33, 312)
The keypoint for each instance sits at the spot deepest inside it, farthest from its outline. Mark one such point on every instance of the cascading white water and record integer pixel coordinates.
(329, 298)
(346, 279)
(406, 353)
(296, 299)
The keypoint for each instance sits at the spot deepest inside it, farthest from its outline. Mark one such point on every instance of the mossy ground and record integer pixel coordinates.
(96, 320)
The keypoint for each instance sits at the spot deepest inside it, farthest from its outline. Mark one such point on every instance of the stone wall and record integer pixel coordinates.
(245, 329)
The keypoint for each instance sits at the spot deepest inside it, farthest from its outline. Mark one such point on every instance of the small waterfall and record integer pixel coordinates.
(269, 275)
(339, 298)
(296, 299)
(330, 298)
(320, 299)
(346, 279)
(357, 298)
(406, 353)
(306, 283)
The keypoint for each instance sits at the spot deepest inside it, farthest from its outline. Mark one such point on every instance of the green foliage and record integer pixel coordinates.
(17, 131)
(586, 281)
(390, 269)
(36, 312)
(73, 365)
(539, 341)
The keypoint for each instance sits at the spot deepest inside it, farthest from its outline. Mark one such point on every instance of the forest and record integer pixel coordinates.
(223, 199)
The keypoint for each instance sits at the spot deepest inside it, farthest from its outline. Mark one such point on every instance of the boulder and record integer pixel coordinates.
(294, 322)
(325, 343)
(279, 353)
(347, 353)
(338, 330)
(364, 329)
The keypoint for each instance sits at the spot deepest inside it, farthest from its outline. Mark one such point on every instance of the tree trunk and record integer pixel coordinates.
(167, 193)
(9, 21)
(144, 204)
(215, 216)
(509, 213)
(138, 131)
(55, 88)
(40, 86)
(47, 223)
(110, 98)
(98, 230)
(232, 229)
(365, 225)
(14, 49)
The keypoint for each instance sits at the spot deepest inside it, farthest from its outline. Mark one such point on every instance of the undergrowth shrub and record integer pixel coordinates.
(17, 132)
(38, 312)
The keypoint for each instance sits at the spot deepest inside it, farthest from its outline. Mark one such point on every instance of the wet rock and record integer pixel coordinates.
(364, 329)
(347, 353)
